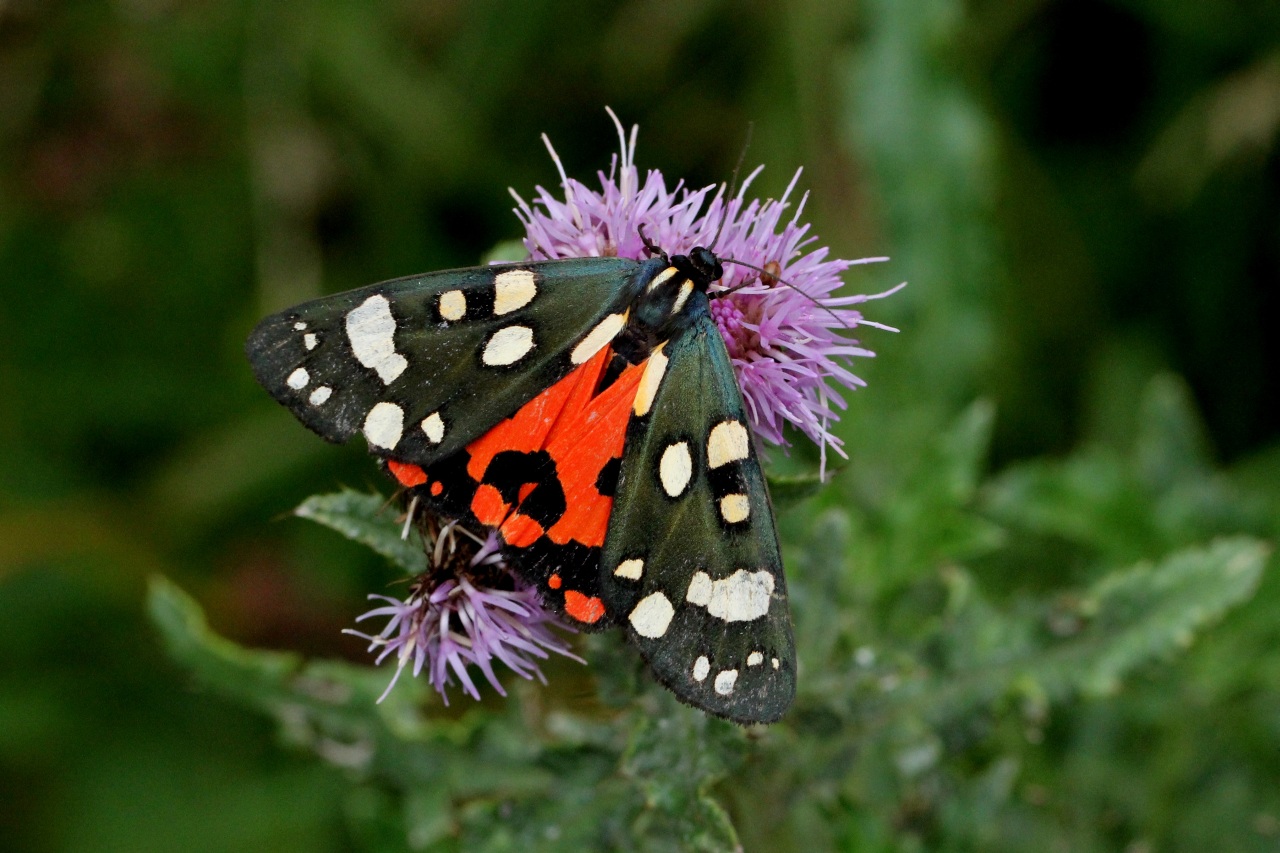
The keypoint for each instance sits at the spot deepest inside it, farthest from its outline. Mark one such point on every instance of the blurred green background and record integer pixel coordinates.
(1085, 197)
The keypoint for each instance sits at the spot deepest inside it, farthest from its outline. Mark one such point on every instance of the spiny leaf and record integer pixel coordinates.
(1131, 617)
(674, 759)
(1152, 611)
(368, 520)
(331, 708)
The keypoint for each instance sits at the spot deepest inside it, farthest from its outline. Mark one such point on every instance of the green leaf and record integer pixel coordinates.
(1153, 611)
(958, 459)
(1085, 643)
(1164, 495)
(368, 520)
(1091, 498)
(483, 781)
(787, 490)
(674, 759)
(508, 251)
(933, 520)
(332, 709)
(1172, 445)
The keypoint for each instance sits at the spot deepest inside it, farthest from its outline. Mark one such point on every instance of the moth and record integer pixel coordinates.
(587, 410)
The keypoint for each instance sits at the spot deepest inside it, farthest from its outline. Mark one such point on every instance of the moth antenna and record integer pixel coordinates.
(764, 272)
(733, 185)
(651, 247)
(458, 528)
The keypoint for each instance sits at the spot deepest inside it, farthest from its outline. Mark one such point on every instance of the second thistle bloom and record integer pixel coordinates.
(785, 341)
(467, 610)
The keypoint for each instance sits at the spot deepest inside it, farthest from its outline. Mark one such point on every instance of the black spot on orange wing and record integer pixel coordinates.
(607, 479)
(445, 488)
(544, 479)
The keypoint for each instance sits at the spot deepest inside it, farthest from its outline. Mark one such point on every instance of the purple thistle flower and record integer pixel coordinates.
(469, 609)
(785, 342)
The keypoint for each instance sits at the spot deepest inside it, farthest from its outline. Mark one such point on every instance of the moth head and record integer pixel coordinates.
(701, 266)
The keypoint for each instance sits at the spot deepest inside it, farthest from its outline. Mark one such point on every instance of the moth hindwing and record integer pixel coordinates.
(587, 410)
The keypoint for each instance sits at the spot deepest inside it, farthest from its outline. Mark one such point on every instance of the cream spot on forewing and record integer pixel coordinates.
(599, 337)
(725, 681)
(658, 279)
(755, 659)
(320, 395)
(507, 346)
(728, 442)
(433, 426)
(512, 290)
(652, 616)
(309, 339)
(701, 667)
(299, 326)
(630, 569)
(675, 469)
(453, 305)
(741, 597)
(383, 425)
(372, 332)
(735, 508)
(298, 379)
(654, 369)
(686, 290)
(699, 589)
(775, 663)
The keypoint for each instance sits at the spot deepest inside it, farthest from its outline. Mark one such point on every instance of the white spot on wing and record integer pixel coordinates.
(686, 290)
(728, 442)
(735, 508)
(299, 326)
(741, 597)
(298, 379)
(605, 331)
(660, 278)
(433, 426)
(755, 659)
(699, 589)
(725, 681)
(507, 346)
(383, 425)
(675, 469)
(453, 305)
(512, 290)
(320, 395)
(701, 667)
(310, 340)
(372, 332)
(654, 369)
(652, 615)
(775, 663)
(630, 569)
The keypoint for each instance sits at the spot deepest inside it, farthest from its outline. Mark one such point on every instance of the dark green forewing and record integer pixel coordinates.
(691, 561)
(426, 364)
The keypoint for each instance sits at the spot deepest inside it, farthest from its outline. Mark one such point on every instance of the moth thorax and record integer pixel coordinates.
(661, 309)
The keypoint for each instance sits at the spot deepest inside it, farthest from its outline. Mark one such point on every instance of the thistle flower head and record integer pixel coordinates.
(468, 609)
(786, 340)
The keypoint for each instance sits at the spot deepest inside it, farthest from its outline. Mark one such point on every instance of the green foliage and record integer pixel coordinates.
(482, 781)
(367, 519)
(903, 681)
